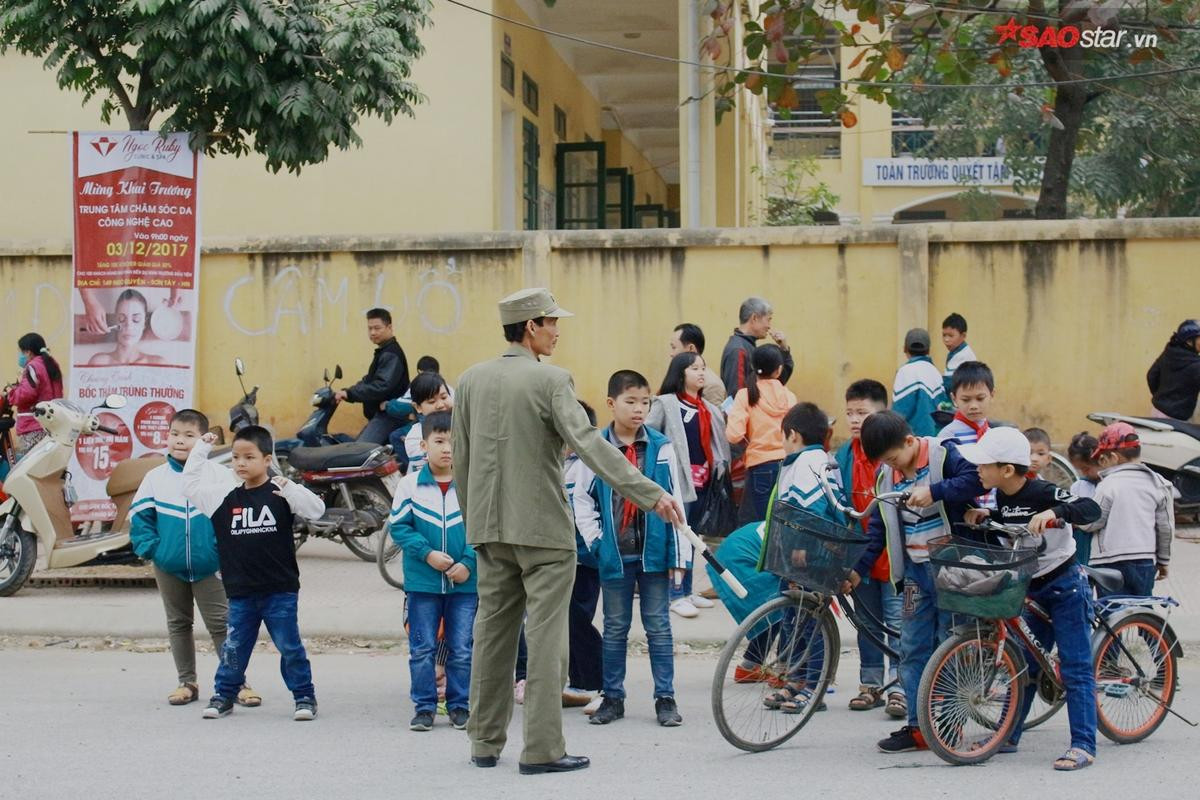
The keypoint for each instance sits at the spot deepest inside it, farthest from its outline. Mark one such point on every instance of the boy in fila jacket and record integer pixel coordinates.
(253, 524)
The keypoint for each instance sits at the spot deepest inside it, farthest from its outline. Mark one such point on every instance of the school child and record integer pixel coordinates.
(169, 531)
(253, 524)
(1002, 457)
(585, 671)
(1137, 513)
(941, 484)
(429, 394)
(439, 577)
(1079, 453)
(958, 352)
(918, 391)
(875, 592)
(755, 418)
(1039, 450)
(633, 549)
(973, 388)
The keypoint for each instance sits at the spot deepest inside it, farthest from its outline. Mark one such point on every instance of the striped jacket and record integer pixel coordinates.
(954, 359)
(424, 520)
(168, 529)
(917, 393)
(799, 485)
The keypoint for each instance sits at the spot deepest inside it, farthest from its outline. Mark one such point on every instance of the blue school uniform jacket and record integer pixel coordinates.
(917, 393)
(423, 520)
(168, 529)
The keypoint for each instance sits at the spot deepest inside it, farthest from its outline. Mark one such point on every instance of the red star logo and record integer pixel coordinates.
(103, 145)
(1008, 30)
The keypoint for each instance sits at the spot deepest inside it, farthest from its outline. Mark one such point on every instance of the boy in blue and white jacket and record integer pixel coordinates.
(172, 533)
(633, 548)
(918, 391)
(439, 577)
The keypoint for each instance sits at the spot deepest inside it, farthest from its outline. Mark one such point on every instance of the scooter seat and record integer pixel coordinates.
(1183, 427)
(311, 459)
(1110, 580)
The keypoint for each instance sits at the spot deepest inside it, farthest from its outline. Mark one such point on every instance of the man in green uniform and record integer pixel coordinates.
(512, 417)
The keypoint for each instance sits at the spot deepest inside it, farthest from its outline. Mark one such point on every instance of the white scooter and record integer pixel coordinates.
(35, 521)
(1172, 449)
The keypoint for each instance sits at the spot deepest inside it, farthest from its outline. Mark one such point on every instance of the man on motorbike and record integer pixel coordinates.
(386, 379)
(1174, 378)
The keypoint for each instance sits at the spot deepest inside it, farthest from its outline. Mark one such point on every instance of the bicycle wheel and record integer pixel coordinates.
(1059, 472)
(390, 559)
(1048, 698)
(792, 639)
(969, 700)
(1130, 706)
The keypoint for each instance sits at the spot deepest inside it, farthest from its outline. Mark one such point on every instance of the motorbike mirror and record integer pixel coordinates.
(114, 401)
(327, 376)
(337, 372)
(239, 366)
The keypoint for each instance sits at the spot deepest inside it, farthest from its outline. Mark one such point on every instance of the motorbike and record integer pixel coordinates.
(315, 430)
(1172, 449)
(35, 519)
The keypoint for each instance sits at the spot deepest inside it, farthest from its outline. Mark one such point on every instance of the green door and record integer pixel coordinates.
(620, 198)
(650, 215)
(580, 183)
(529, 173)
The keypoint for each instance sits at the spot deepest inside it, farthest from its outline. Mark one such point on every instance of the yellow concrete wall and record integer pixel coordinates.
(427, 174)
(1069, 315)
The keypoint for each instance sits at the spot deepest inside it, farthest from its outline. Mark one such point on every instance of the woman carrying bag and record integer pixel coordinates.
(696, 429)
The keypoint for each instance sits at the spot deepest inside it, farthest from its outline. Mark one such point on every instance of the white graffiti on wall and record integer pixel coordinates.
(330, 308)
(49, 304)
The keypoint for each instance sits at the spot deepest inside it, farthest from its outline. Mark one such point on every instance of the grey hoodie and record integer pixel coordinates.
(1137, 516)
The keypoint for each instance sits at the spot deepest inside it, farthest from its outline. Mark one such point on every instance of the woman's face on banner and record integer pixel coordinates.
(131, 316)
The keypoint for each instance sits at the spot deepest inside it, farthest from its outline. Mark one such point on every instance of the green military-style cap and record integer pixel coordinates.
(530, 304)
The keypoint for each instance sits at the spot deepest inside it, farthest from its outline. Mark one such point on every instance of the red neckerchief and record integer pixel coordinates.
(629, 510)
(862, 476)
(705, 424)
(980, 430)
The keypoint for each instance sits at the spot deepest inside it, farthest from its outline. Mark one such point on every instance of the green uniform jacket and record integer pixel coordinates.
(512, 417)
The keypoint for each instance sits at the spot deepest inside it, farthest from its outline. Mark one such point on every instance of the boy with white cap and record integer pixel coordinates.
(1002, 456)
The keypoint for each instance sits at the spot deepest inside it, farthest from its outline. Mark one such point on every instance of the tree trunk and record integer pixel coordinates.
(1069, 102)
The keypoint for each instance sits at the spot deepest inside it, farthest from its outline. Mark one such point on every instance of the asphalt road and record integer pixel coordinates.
(95, 724)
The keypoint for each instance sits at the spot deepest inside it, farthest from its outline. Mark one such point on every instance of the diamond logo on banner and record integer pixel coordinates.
(103, 145)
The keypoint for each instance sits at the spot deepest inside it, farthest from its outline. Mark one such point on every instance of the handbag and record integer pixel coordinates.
(718, 514)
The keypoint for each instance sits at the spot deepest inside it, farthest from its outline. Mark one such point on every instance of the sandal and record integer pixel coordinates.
(1074, 759)
(786, 694)
(897, 705)
(868, 697)
(186, 693)
(248, 697)
(804, 698)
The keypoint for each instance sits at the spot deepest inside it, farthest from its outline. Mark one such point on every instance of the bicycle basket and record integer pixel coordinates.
(980, 579)
(809, 549)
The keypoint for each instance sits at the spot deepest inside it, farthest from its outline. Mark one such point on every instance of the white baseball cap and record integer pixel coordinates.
(998, 446)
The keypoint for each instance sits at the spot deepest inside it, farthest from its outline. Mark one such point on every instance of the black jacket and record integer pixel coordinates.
(735, 363)
(387, 379)
(1174, 380)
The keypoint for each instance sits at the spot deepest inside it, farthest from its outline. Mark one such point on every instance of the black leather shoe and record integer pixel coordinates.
(484, 761)
(564, 764)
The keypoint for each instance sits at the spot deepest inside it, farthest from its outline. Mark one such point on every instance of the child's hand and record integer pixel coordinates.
(458, 573)
(209, 438)
(1037, 525)
(439, 561)
(921, 497)
(1162, 573)
(851, 583)
(976, 516)
(281, 483)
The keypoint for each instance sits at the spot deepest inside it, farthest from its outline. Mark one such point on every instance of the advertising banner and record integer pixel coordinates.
(135, 202)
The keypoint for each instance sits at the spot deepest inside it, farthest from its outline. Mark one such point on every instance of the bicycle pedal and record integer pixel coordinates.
(1118, 690)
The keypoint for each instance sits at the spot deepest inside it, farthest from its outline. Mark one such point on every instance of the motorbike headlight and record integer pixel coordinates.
(316, 400)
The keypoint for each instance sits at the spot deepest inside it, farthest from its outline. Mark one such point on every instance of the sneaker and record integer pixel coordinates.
(684, 608)
(422, 722)
(306, 710)
(459, 717)
(701, 602)
(756, 674)
(610, 710)
(575, 698)
(519, 692)
(667, 712)
(218, 707)
(904, 740)
(592, 707)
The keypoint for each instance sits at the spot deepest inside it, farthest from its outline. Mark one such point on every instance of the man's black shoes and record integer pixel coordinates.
(484, 761)
(564, 764)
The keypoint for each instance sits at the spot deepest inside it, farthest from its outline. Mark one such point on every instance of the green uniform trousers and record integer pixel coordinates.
(520, 583)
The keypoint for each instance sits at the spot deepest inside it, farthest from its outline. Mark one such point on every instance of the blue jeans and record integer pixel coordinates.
(378, 429)
(1139, 577)
(760, 481)
(1067, 599)
(456, 614)
(585, 643)
(925, 626)
(246, 614)
(618, 615)
(879, 600)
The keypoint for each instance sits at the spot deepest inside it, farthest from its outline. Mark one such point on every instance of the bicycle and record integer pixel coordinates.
(973, 687)
(773, 672)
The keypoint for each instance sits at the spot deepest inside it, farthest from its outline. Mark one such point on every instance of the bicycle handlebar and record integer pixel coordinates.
(1012, 531)
(850, 511)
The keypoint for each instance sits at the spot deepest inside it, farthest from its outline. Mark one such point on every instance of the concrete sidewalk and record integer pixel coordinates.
(343, 597)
